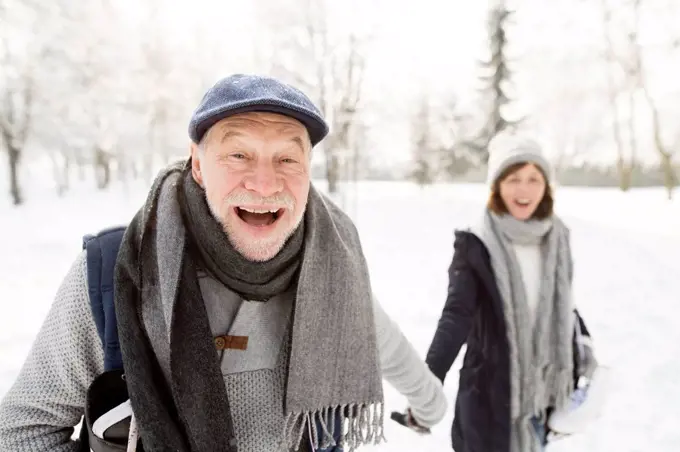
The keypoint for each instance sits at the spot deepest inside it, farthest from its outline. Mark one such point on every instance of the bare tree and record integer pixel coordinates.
(97, 79)
(665, 155)
(75, 90)
(424, 149)
(61, 170)
(342, 109)
(15, 122)
(624, 165)
(327, 62)
(157, 65)
(160, 101)
(17, 91)
(632, 65)
(456, 157)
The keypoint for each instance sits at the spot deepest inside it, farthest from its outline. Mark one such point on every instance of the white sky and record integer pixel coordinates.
(424, 46)
(433, 47)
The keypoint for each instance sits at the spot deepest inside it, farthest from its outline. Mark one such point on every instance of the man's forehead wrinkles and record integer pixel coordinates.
(230, 132)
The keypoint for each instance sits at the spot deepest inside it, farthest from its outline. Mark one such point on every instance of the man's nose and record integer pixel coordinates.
(264, 180)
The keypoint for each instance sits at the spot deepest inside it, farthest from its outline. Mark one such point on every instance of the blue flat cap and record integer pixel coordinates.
(242, 93)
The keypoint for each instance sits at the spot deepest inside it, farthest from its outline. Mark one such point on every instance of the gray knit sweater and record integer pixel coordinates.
(39, 412)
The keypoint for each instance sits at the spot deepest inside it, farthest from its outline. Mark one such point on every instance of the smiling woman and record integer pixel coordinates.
(510, 300)
(521, 190)
(519, 177)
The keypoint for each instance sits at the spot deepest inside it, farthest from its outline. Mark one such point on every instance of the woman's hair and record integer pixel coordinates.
(496, 204)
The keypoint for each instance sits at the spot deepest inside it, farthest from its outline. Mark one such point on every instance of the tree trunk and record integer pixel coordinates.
(102, 168)
(67, 172)
(669, 176)
(81, 164)
(14, 155)
(106, 175)
(632, 139)
(61, 173)
(332, 171)
(665, 155)
(625, 171)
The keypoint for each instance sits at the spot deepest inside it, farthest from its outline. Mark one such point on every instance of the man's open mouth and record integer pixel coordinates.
(522, 202)
(258, 216)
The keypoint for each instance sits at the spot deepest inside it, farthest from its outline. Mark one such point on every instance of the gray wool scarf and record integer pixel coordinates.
(541, 355)
(333, 369)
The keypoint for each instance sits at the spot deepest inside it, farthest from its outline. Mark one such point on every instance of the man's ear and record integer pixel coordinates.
(196, 164)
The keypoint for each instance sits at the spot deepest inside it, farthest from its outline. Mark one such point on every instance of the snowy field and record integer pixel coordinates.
(627, 286)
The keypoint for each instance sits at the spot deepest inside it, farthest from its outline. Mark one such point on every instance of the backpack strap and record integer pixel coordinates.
(101, 250)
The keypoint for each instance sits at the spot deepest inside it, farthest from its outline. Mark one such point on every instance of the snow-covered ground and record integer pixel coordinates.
(627, 286)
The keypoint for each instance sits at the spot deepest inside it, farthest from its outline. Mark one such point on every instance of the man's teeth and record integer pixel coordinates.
(247, 209)
(523, 201)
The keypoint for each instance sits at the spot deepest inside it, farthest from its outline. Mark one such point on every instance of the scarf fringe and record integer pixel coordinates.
(528, 440)
(360, 424)
(564, 388)
(555, 393)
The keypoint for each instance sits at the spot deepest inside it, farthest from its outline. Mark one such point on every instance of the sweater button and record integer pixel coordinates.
(220, 343)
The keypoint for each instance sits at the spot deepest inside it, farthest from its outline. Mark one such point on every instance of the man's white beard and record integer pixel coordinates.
(257, 250)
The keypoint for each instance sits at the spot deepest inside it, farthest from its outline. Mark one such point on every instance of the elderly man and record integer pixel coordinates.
(243, 307)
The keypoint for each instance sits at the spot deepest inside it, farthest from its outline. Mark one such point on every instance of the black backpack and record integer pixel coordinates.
(107, 419)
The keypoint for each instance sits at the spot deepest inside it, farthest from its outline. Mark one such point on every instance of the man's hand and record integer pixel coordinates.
(407, 420)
